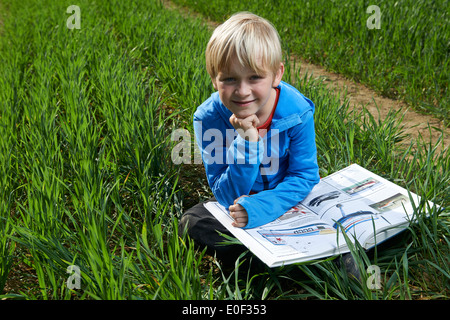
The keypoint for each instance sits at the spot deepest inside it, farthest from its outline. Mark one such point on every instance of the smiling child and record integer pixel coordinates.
(256, 134)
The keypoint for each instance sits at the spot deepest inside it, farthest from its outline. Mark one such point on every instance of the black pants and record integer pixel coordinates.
(205, 229)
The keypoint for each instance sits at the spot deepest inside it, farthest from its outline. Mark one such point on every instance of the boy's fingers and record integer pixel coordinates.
(239, 216)
(235, 201)
(233, 120)
(253, 119)
(244, 123)
(239, 225)
(240, 221)
(234, 207)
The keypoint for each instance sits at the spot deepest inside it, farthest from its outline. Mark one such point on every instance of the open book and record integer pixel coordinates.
(367, 207)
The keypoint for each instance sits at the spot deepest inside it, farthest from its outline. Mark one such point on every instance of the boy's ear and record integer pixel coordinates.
(278, 75)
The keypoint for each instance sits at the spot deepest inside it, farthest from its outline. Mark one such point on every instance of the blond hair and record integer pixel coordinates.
(252, 39)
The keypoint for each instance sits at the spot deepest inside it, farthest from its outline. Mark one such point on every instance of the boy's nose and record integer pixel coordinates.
(243, 89)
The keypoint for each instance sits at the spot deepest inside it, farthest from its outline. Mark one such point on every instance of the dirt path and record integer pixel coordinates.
(359, 95)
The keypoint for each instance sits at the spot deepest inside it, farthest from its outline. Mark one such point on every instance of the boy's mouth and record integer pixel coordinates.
(243, 103)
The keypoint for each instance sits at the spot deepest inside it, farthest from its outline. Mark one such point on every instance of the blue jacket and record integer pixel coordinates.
(278, 171)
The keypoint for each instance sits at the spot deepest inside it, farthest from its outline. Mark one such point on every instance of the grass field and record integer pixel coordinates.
(407, 58)
(86, 179)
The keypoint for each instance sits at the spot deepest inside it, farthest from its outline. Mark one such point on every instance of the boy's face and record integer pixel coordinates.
(244, 92)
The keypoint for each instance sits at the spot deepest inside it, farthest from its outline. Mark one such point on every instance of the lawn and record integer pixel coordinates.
(87, 178)
(406, 56)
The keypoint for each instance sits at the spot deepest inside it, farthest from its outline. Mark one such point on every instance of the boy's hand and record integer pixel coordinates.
(246, 127)
(239, 214)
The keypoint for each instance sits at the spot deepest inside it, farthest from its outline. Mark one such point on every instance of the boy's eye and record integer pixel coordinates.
(255, 77)
(232, 79)
(229, 79)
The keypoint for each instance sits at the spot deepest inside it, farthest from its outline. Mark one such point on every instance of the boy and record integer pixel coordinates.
(256, 134)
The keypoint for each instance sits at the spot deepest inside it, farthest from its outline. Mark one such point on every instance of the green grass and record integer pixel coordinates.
(86, 176)
(407, 58)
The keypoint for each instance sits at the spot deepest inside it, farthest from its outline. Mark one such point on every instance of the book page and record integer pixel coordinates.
(367, 207)
(299, 228)
(359, 202)
(294, 237)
